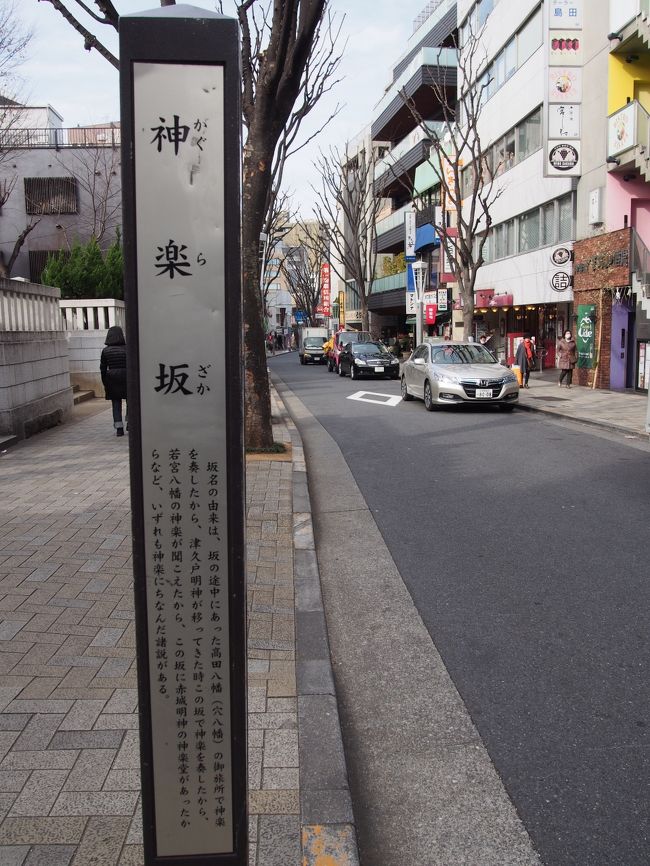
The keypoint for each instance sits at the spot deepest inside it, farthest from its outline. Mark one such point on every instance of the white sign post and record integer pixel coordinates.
(181, 157)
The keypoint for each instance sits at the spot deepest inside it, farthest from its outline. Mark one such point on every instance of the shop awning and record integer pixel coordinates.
(411, 320)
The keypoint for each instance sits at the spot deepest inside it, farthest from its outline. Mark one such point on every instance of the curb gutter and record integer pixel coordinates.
(590, 422)
(328, 832)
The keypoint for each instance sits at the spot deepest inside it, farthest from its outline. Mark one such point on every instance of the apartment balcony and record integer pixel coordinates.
(631, 21)
(395, 173)
(393, 118)
(390, 231)
(628, 140)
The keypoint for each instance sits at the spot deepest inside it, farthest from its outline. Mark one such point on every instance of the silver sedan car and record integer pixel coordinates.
(444, 374)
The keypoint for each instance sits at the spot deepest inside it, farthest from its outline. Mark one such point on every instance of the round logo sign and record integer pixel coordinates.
(563, 157)
(560, 281)
(561, 256)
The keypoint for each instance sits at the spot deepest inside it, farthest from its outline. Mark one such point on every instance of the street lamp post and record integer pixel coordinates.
(420, 278)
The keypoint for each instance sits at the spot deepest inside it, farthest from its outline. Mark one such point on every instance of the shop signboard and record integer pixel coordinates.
(563, 120)
(563, 158)
(564, 84)
(324, 307)
(585, 335)
(621, 130)
(411, 304)
(565, 48)
(409, 235)
(566, 13)
(443, 303)
(430, 311)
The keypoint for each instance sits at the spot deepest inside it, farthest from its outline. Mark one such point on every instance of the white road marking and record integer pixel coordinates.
(377, 399)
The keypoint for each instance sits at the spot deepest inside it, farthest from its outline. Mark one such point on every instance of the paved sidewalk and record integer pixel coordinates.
(623, 412)
(69, 759)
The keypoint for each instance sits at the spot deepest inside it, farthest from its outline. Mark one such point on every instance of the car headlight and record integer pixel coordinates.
(395, 361)
(360, 362)
(509, 379)
(445, 377)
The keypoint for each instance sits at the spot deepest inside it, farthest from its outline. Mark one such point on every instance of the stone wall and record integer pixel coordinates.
(35, 389)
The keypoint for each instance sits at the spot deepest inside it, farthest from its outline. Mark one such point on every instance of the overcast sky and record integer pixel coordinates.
(83, 87)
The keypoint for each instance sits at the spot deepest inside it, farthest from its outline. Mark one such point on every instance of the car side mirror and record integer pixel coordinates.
(419, 362)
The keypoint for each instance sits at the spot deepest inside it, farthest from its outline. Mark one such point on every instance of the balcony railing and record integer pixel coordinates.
(389, 284)
(621, 13)
(16, 138)
(432, 128)
(426, 57)
(393, 220)
(26, 306)
(627, 128)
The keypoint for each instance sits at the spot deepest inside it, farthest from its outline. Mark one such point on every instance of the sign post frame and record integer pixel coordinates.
(177, 39)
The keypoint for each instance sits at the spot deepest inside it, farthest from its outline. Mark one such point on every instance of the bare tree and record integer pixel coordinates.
(346, 208)
(289, 61)
(97, 170)
(301, 270)
(6, 265)
(280, 220)
(465, 170)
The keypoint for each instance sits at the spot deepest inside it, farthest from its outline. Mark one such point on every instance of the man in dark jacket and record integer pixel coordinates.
(113, 369)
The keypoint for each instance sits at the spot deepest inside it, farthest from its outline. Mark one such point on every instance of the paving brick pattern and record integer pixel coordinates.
(69, 760)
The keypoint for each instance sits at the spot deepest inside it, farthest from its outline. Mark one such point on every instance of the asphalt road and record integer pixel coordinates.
(524, 545)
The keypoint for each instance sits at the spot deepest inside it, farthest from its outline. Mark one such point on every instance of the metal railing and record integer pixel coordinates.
(16, 138)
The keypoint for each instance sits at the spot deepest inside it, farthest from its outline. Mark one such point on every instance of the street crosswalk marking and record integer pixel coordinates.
(377, 399)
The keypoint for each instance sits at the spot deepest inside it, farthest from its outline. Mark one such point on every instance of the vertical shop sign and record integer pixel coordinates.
(585, 335)
(181, 153)
(409, 235)
(324, 306)
(563, 94)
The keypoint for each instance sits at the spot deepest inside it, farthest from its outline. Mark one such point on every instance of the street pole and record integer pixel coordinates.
(419, 278)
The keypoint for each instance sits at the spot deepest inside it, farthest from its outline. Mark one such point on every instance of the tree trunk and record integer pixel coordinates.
(365, 317)
(257, 396)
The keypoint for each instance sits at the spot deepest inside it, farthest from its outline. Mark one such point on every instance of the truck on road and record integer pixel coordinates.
(310, 345)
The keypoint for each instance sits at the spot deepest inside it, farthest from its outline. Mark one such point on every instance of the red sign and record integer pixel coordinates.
(430, 311)
(324, 307)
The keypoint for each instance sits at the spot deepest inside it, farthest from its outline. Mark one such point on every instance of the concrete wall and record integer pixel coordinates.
(35, 390)
(84, 352)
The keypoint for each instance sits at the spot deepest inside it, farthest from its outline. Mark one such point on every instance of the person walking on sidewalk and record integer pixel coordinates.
(525, 358)
(567, 353)
(113, 369)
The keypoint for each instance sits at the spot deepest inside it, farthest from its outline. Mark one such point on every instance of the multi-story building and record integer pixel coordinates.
(612, 263)
(403, 181)
(533, 216)
(57, 185)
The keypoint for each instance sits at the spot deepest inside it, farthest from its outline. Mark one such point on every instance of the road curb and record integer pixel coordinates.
(328, 832)
(590, 422)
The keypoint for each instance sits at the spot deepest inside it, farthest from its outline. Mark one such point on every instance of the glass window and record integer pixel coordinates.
(565, 218)
(510, 54)
(529, 231)
(499, 237)
(529, 135)
(499, 69)
(484, 9)
(510, 238)
(510, 149)
(529, 38)
(548, 223)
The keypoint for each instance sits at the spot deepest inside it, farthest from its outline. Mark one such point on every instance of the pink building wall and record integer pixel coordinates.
(629, 199)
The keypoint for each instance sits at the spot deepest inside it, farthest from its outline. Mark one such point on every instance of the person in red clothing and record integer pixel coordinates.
(525, 358)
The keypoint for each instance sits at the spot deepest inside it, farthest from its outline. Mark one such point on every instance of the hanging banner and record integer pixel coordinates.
(324, 306)
(585, 335)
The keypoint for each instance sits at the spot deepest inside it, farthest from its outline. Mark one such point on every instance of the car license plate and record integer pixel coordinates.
(483, 392)
(379, 369)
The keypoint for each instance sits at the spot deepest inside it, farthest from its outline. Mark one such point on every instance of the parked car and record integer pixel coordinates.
(342, 338)
(444, 374)
(368, 359)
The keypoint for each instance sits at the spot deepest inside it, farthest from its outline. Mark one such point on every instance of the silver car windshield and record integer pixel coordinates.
(463, 354)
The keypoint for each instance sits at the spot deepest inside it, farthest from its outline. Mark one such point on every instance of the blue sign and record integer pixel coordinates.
(301, 317)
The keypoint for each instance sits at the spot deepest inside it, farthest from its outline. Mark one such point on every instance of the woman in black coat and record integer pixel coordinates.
(113, 369)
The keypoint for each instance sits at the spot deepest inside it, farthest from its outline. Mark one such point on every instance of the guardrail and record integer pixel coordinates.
(16, 138)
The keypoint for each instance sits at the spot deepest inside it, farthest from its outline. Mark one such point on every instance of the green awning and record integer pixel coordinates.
(411, 321)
